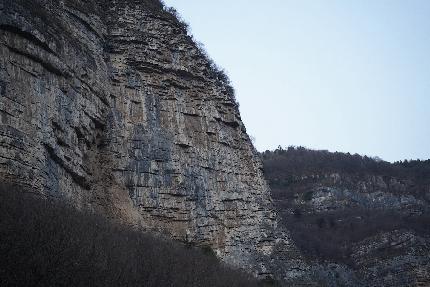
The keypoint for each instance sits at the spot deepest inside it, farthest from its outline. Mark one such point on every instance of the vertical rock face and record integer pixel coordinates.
(110, 105)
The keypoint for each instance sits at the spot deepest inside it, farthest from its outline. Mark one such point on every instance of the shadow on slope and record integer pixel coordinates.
(47, 244)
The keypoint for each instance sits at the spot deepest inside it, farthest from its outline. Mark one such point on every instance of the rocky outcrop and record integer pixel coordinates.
(395, 258)
(357, 221)
(111, 106)
(340, 192)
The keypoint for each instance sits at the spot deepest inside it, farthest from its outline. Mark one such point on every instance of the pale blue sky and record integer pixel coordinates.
(342, 75)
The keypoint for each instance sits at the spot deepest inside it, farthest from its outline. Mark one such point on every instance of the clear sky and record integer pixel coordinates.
(342, 75)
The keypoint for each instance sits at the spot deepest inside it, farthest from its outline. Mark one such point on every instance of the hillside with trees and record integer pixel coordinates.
(47, 243)
(335, 205)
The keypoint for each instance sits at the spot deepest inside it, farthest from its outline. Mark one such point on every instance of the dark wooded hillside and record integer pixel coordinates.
(327, 200)
(51, 244)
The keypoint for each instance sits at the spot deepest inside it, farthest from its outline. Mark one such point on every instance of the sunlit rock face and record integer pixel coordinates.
(111, 106)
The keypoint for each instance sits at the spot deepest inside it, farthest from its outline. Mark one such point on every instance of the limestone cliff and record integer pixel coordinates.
(111, 106)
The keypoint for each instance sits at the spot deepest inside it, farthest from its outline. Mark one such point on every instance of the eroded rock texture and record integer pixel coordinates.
(110, 105)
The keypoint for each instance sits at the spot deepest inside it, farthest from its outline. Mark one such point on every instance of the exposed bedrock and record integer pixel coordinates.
(111, 106)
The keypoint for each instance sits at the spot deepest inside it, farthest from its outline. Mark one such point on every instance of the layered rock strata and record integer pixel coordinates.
(111, 106)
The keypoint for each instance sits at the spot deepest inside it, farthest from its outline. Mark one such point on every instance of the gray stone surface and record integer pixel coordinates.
(111, 106)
